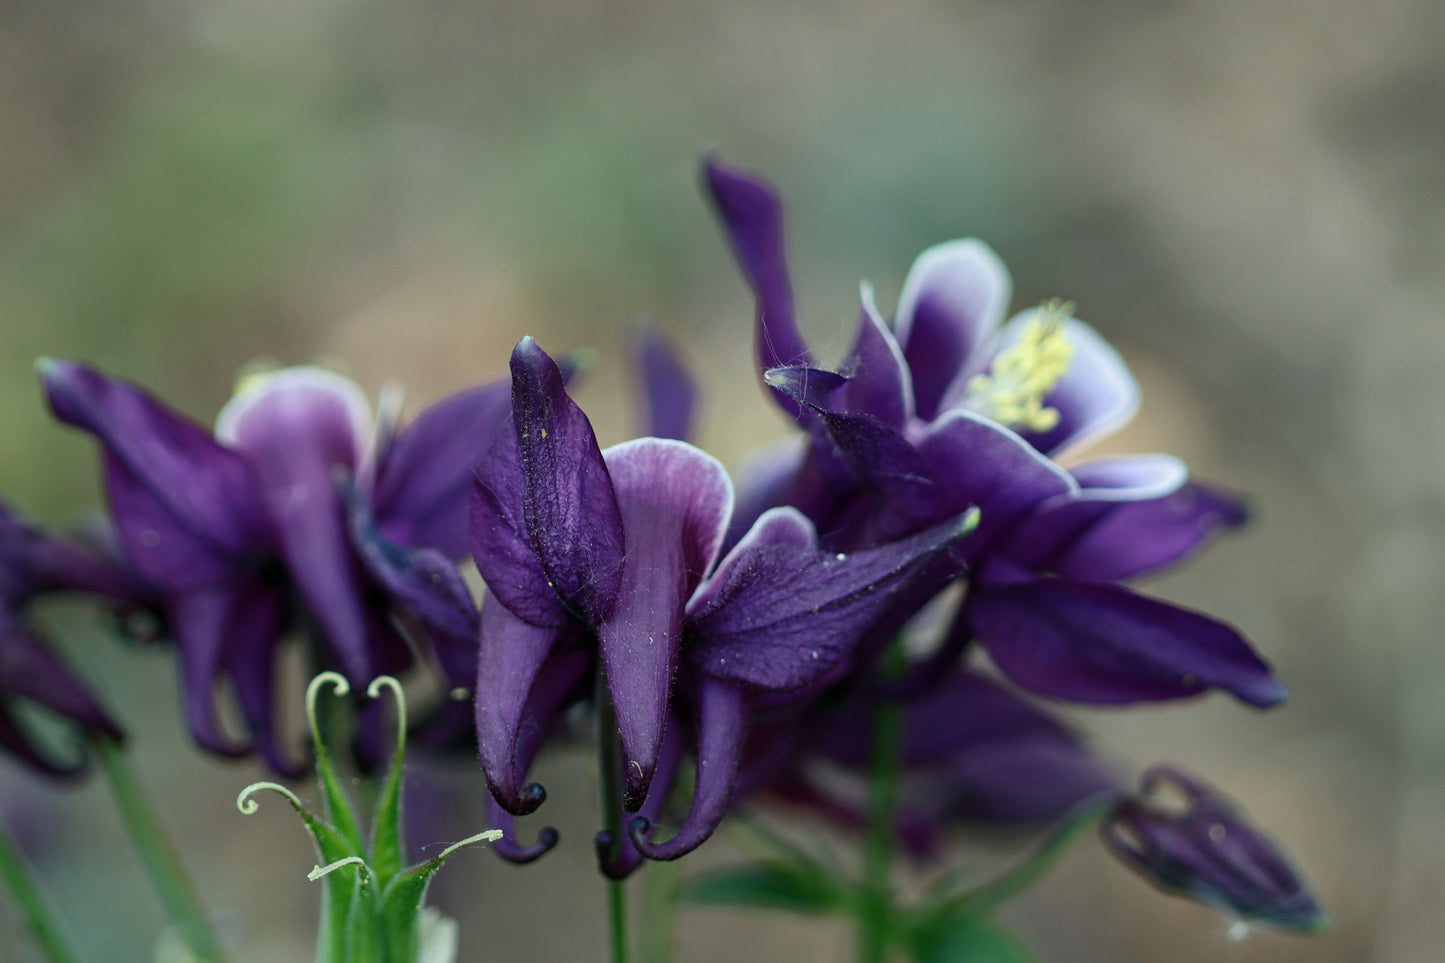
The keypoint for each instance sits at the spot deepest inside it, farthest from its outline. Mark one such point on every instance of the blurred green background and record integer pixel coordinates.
(1247, 196)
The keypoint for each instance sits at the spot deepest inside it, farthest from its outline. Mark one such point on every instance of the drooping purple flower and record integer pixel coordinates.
(948, 407)
(34, 563)
(295, 513)
(1208, 849)
(617, 553)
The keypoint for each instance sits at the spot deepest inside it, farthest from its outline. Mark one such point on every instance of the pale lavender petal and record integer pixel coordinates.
(953, 299)
(570, 513)
(675, 501)
(1095, 396)
(424, 474)
(722, 723)
(185, 507)
(879, 382)
(670, 396)
(752, 215)
(786, 613)
(1105, 644)
(302, 429)
(512, 655)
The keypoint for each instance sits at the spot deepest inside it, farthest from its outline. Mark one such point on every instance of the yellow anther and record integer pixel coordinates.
(1012, 392)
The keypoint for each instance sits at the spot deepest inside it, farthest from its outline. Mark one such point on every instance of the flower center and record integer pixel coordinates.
(1012, 392)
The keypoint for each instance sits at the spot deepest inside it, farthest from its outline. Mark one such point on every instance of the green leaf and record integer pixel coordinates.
(766, 886)
(969, 938)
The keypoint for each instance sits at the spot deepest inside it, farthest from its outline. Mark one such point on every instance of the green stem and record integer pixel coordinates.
(875, 916)
(659, 910)
(609, 749)
(39, 916)
(168, 876)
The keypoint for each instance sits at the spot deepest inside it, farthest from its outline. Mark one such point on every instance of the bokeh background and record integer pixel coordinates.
(1247, 196)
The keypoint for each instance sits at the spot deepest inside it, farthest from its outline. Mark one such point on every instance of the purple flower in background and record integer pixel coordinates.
(970, 752)
(949, 407)
(608, 561)
(1207, 849)
(34, 563)
(296, 513)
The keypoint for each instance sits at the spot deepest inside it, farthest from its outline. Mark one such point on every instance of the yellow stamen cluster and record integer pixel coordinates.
(1012, 392)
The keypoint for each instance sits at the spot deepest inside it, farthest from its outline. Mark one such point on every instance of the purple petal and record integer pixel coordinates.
(620, 860)
(979, 463)
(879, 382)
(786, 613)
(571, 514)
(512, 655)
(507, 846)
(752, 215)
(302, 429)
(766, 481)
(671, 397)
(424, 474)
(953, 299)
(1105, 644)
(675, 501)
(877, 457)
(185, 507)
(258, 622)
(722, 722)
(201, 622)
(29, 669)
(1025, 781)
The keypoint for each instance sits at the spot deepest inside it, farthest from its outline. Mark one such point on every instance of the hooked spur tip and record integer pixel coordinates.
(533, 794)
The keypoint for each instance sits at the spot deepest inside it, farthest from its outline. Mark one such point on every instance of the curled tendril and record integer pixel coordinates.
(248, 806)
(373, 691)
(485, 836)
(320, 871)
(339, 685)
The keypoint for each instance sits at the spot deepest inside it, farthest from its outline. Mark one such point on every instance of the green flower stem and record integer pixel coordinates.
(609, 742)
(168, 876)
(994, 893)
(875, 912)
(39, 915)
(659, 910)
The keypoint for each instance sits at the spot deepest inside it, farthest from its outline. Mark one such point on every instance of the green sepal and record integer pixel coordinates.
(767, 885)
(401, 900)
(967, 938)
(338, 807)
(387, 845)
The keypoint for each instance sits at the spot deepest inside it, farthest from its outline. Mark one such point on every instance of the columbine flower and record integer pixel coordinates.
(616, 553)
(33, 563)
(1208, 849)
(297, 512)
(970, 751)
(945, 409)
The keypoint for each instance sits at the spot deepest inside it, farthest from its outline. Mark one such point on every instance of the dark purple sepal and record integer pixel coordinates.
(752, 216)
(1208, 850)
(786, 613)
(722, 723)
(259, 618)
(1105, 644)
(185, 507)
(675, 501)
(669, 395)
(202, 622)
(510, 664)
(423, 580)
(570, 513)
(424, 474)
(953, 300)
(879, 382)
(28, 668)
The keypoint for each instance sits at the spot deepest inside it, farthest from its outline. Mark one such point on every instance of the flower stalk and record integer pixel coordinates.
(875, 914)
(609, 749)
(167, 875)
(40, 917)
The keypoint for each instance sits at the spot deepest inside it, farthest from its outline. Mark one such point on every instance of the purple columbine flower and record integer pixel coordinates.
(949, 407)
(609, 562)
(298, 512)
(971, 752)
(1202, 846)
(34, 563)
